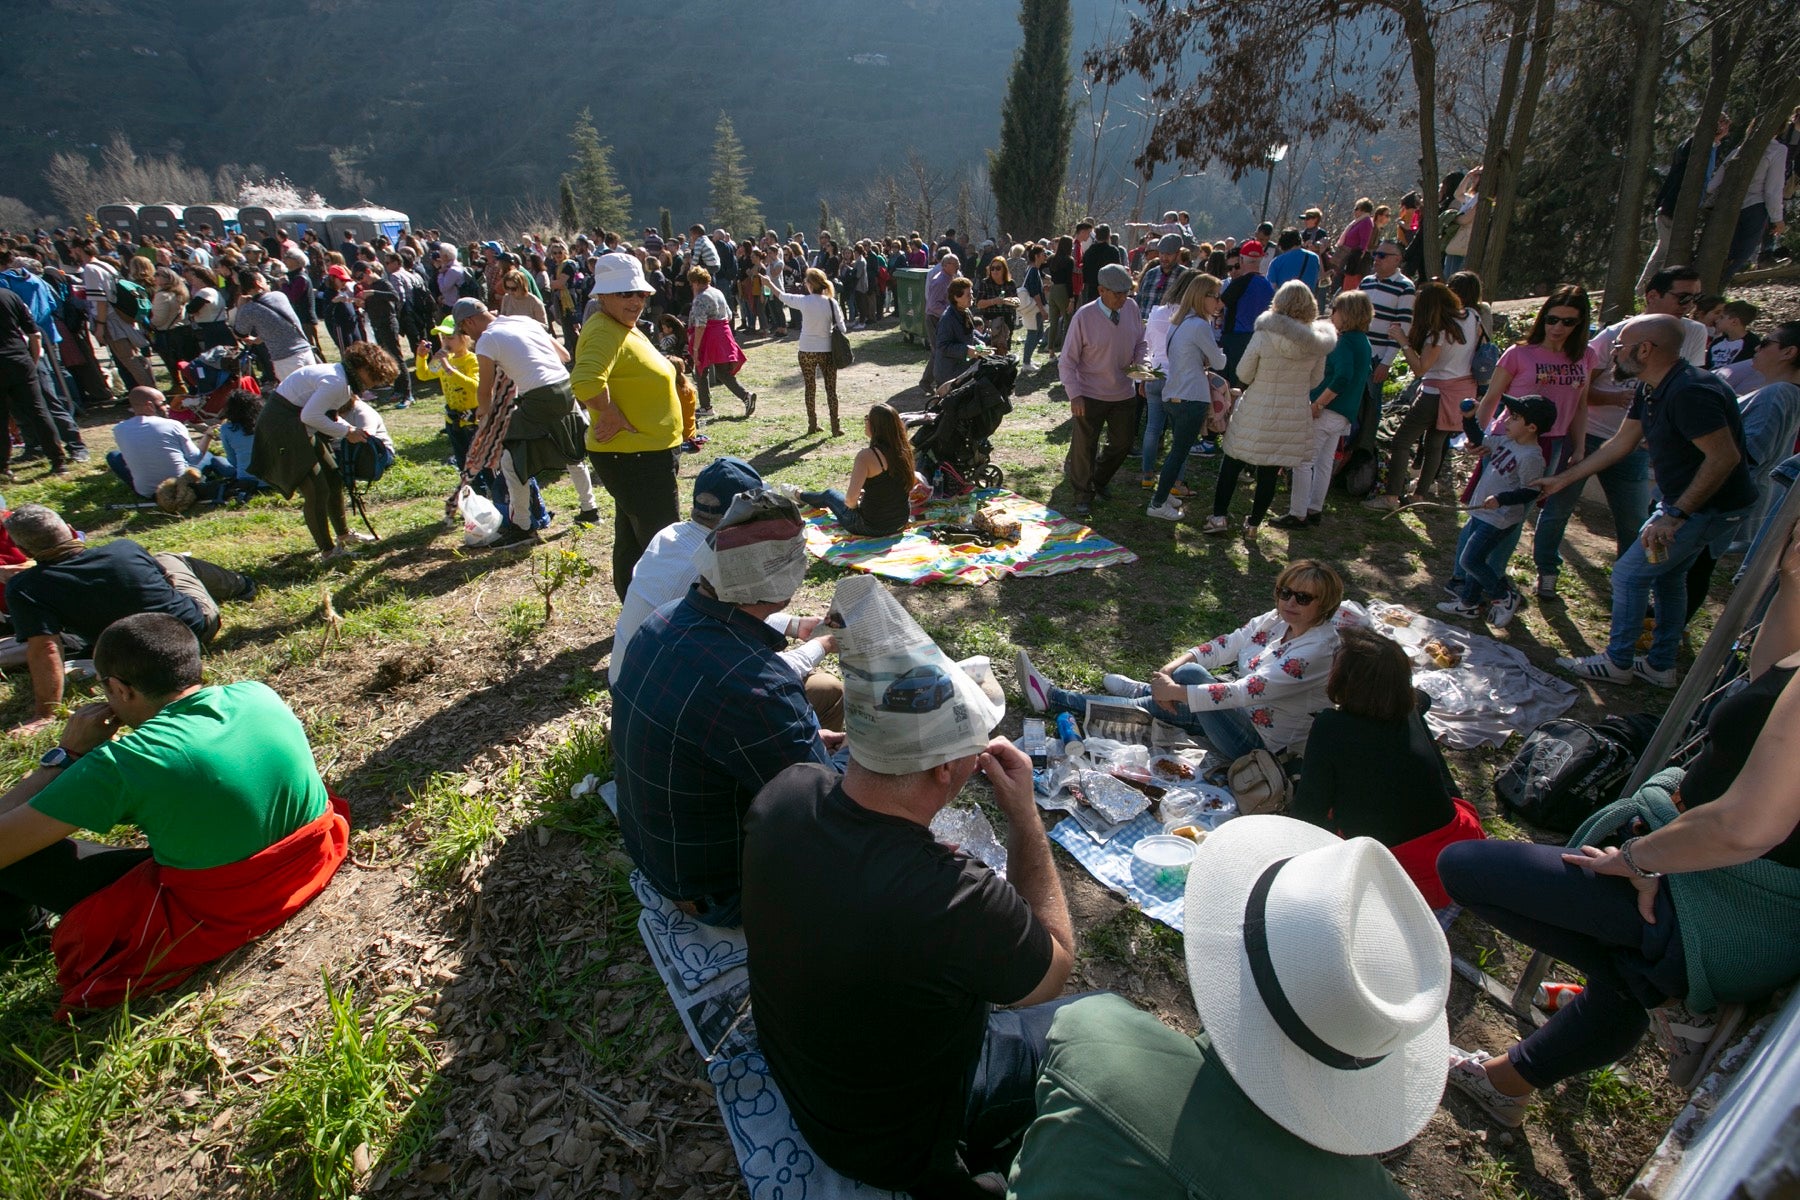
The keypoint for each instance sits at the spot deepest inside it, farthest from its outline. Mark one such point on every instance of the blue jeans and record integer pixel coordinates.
(1155, 421)
(1627, 487)
(1475, 553)
(1228, 729)
(1033, 339)
(1635, 578)
(1002, 1094)
(210, 465)
(1499, 554)
(1590, 922)
(1775, 492)
(1186, 419)
(848, 518)
(1452, 264)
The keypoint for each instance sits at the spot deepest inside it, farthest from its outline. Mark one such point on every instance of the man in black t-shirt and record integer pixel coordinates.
(865, 931)
(21, 395)
(1691, 421)
(73, 591)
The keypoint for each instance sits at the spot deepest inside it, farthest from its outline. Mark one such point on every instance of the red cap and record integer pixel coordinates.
(337, 272)
(1251, 249)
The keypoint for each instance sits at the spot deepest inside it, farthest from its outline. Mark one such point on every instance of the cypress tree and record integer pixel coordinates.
(667, 224)
(824, 214)
(1037, 122)
(599, 199)
(571, 212)
(733, 207)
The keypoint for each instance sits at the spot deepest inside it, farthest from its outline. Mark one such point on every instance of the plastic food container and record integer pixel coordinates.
(1166, 857)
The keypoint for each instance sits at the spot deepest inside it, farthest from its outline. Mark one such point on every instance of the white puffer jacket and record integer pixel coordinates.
(1272, 424)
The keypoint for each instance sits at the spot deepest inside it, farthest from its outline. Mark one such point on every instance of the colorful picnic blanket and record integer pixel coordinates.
(1049, 544)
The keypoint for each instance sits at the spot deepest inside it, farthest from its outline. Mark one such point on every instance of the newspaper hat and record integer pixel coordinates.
(757, 554)
(1320, 975)
(907, 706)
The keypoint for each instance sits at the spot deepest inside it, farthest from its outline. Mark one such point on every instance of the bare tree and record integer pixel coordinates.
(1533, 22)
(926, 185)
(1646, 19)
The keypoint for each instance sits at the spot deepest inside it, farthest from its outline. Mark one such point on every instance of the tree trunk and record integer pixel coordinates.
(1727, 47)
(1423, 52)
(1506, 174)
(1634, 173)
(1495, 149)
(1776, 105)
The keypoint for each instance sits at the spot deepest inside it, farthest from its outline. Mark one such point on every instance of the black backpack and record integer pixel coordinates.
(474, 284)
(1567, 770)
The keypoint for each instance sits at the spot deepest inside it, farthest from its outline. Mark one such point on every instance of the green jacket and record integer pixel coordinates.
(1126, 1106)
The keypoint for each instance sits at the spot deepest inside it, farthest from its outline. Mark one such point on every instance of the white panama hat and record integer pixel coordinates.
(1320, 975)
(616, 273)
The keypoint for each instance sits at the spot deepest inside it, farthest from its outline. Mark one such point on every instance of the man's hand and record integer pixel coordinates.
(609, 423)
(1379, 374)
(1659, 532)
(356, 435)
(1008, 769)
(1549, 485)
(89, 727)
(1078, 406)
(833, 738)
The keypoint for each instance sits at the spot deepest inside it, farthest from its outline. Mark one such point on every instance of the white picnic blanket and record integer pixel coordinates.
(1493, 693)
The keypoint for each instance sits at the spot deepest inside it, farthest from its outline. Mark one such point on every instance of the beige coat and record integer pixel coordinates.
(1285, 360)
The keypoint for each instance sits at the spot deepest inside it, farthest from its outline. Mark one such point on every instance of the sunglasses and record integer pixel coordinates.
(1684, 298)
(1571, 322)
(1301, 598)
(1385, 254)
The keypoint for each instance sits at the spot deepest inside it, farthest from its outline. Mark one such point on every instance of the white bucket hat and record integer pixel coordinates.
(1320, 976)
(615, 273)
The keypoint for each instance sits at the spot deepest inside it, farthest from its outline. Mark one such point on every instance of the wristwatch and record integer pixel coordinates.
(1625, 853)
(57, 758)
(1673, 513)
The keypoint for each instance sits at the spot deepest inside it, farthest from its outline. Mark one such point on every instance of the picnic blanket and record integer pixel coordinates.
(1049, 544)
(1493, 693)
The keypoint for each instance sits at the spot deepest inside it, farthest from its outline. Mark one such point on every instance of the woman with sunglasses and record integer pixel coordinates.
(997, 302)
(1281, 662)
(1556, 362)
(517, 300)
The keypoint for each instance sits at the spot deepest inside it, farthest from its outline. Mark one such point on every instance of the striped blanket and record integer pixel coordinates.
(1049, 544)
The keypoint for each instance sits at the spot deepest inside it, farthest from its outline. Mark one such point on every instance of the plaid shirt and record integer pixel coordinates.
(704, 714)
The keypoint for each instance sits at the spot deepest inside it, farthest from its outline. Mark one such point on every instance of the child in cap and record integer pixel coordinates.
(1733, 341)
(1514, 462)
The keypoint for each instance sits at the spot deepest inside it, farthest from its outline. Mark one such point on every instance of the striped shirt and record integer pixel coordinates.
(1393, 301)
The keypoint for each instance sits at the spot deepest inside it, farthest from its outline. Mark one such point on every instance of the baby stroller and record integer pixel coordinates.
(951, 447)
(210, 379)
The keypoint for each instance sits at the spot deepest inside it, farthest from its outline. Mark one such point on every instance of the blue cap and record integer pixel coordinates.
(494, 246)
(717, 484)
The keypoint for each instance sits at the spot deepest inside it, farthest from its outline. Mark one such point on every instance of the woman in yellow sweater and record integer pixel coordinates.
(454, 366)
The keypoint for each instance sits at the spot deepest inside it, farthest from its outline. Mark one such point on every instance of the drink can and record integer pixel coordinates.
(1654, 554)
(1065, 728)
(1552, 996)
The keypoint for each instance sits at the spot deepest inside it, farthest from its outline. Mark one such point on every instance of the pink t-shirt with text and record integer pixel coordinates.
(1537, 370)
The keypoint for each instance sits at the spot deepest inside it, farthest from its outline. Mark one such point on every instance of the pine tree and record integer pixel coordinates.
(571, 213)
(599, 199)
(1037, 122)
(824, 214)
(733, 208)
(667, 224)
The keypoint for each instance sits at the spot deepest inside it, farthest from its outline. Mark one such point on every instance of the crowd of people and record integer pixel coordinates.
(756, 789)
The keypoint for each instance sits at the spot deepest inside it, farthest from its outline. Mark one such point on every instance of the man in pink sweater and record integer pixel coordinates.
(1105, 340)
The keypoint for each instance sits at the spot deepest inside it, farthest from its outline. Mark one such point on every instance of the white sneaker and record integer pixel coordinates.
(1456, 608)
(1686, 1035)
(1120, 685)
(1665, 678)
(1032, 683)
(1168, 510)
(1597, 667)
(356, 535)
(1502, 611)
(1468, 1077)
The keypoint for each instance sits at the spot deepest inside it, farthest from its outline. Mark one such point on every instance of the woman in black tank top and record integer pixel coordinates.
(878, 501)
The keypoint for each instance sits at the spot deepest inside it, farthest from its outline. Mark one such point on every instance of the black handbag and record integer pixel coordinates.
(841, 354)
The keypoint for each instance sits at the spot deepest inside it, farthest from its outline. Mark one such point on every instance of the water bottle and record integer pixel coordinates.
(1069, 736)
(1468, 406)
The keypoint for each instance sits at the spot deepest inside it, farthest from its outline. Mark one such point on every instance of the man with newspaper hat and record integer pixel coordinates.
(865, 931)
(706, 710)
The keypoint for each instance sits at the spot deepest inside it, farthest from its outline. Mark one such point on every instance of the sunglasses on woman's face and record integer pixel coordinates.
(1571, 322)
(1301, 598)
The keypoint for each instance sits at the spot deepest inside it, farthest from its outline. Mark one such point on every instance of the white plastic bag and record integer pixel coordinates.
(481, 520)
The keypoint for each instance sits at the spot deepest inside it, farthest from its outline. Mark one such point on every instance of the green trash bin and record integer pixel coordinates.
(909, 295)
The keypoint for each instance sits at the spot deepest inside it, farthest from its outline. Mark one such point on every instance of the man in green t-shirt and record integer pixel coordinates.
(1320, 978)
(210, 775)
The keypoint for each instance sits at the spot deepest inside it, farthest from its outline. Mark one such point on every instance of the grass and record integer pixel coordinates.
(54, 1141)
(1613, 1094)
(459, 818)
(341, 1097)
(586, 751)
(1497, 1178)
